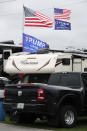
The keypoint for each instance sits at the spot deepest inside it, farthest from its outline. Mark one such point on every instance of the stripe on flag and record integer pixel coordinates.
(36, 19)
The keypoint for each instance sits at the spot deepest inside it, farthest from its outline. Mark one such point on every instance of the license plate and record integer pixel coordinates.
(20, 106)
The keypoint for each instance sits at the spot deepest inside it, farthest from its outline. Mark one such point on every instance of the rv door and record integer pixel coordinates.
(77, 64)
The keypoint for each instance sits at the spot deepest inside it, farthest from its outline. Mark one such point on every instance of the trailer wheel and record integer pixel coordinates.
(68, 116)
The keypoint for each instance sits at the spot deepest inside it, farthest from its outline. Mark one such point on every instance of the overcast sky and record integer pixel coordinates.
(12, 18)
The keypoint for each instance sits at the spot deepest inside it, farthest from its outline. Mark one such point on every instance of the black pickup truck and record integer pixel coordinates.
(58, 97)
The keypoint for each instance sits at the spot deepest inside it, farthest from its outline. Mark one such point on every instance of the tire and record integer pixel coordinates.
(68, 116)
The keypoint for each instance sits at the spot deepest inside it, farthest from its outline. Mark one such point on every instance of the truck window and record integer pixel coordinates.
(84, 78)
(35, 78)
(54, 79)
(25, 79)
(69, 80)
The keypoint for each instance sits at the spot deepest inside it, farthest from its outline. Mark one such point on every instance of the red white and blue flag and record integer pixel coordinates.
(62, 13)
(62, 17)
(36, 19)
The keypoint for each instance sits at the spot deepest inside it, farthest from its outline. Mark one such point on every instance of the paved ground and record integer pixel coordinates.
(6, 127)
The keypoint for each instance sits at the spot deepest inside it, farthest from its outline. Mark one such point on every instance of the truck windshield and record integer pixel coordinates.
(35, 78)
(67, 79)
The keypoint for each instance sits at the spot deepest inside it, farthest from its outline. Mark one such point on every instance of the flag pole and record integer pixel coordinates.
(23, 27)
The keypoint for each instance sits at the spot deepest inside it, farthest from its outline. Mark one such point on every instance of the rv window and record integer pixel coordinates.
(85, 69)
(6, 55)
(66, 61)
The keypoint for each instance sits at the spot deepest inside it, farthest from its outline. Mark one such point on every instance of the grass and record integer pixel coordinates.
(81, 125)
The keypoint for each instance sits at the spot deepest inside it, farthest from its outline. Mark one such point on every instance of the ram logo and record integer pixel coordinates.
(19, 93)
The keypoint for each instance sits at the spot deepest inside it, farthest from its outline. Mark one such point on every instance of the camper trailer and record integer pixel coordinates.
(46, 63)
(7, 48)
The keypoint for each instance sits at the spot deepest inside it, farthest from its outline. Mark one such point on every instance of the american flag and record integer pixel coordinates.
(36, 19)
(62, 14)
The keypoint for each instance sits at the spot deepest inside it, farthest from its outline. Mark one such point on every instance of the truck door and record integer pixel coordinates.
(77, 64)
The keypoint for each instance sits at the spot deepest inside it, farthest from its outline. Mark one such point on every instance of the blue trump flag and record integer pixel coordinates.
(32, 44)
(62, 25)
